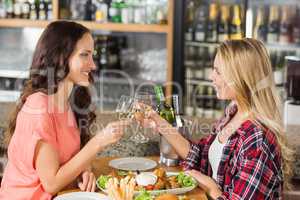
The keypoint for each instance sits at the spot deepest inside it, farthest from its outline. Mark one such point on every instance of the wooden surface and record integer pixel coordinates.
(100, 166)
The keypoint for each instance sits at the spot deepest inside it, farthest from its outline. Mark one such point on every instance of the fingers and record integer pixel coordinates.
(90, 182)
(85, 178)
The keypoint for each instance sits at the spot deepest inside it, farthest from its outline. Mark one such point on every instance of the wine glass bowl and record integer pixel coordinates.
(125, 107)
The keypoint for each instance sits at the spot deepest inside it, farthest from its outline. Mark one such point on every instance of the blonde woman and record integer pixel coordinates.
(245, 156)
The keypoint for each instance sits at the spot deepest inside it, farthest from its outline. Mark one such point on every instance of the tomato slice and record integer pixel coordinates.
(149, 187)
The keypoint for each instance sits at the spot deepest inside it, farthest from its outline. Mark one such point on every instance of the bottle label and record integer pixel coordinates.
(199, 36)
(188, 36)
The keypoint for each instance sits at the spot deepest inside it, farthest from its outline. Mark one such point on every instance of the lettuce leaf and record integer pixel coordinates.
(185, 180)
(102, 181)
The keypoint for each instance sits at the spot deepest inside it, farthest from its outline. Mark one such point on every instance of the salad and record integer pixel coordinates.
(163, 182)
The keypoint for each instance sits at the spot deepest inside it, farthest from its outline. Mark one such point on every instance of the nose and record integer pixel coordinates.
(93, 66)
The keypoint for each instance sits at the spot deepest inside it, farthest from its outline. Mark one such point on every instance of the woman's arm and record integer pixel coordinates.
(55, 177)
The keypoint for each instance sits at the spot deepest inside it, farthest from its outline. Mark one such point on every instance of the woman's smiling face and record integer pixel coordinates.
(222, 86)
(81, 62)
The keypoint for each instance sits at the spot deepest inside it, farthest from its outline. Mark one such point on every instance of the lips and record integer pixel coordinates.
(86, 73)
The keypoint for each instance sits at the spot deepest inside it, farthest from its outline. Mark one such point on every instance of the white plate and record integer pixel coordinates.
(133, 164)
(81, 196)
(175, 191)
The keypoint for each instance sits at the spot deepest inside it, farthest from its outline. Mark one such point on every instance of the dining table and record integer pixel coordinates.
(100, 166)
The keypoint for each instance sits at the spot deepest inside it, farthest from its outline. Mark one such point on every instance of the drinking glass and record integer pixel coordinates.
(142, 102)
(125, 107)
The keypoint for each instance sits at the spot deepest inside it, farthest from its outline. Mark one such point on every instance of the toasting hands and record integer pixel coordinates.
(113, 132)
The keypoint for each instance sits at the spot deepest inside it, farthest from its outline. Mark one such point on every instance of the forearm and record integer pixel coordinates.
(80, 162)
(55, 177)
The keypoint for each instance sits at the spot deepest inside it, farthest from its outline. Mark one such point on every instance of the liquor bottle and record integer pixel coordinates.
(212, 24)
(207, 61)
(278, 71)
(189, 106)
(49, 9)
(178, 121)
(89, 10)
(114, 12)
(223, 29)
(200, 100)
(102, 52)
(33, 10)
(161, 13)
(2, 9)
(17, 9)
(260, 30)
(168, 155)
(286, 27)
(42, 10)
(190, 18)
(9, 8)
(101, 11)
(208, 102)
(236, 24)
(273, 25)
(190, 54)
(200, 26)
(199, 68)
(25, 10)
(163, 109)
(296, 23)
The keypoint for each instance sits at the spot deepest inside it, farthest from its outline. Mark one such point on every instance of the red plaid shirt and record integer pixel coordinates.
(250, 167)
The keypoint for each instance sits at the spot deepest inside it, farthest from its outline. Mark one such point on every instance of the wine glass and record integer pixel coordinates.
(125, 107)
(141, 99)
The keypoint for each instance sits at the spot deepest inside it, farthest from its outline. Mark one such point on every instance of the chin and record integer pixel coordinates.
(83, 83)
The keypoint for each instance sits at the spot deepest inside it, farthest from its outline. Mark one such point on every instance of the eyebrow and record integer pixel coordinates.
(89, 51)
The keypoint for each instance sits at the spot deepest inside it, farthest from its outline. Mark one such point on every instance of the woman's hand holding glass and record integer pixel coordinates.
(113, 132)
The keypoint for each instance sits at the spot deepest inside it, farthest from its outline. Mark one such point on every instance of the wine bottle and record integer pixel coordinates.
(9, 7)
(286, 27)
(163, 109)
(49, 14)
(33, 10)
(212, 24)
(273, 25)
(223, 29)
(190, 18)
(296, 23)
(260, 29)
(26, 9)
(42, 10)
(199, 100)
(236, 24)
(17, 9)
(200, 26)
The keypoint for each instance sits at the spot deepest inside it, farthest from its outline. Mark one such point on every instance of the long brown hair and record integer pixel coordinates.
(49, 67)
(248, 67)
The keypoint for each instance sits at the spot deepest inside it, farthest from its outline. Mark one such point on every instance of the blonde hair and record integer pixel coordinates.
(247, 65)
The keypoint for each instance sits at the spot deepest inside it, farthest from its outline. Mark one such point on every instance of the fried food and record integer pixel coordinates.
(121, 190)
(160, 172)
(167, 197)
